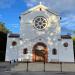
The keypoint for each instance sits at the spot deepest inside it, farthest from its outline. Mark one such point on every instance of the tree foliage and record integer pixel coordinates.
(73, 38)
(74, 45)
(3, 28)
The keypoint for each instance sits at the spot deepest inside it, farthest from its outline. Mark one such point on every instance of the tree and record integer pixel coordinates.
(74, 45)
(3, 28)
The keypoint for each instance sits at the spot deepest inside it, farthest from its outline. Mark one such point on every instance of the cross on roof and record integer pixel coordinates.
(40, 3)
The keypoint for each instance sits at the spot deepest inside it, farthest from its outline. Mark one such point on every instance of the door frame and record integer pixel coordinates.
(45, 58)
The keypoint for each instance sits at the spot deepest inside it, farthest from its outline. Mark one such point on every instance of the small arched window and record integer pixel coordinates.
(54, 51)
(25, 51)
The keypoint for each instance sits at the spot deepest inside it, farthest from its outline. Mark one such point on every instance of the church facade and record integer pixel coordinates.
(40, 38)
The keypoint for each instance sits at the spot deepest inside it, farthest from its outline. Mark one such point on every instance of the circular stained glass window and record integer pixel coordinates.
(65, 44)
(40, 22)
(14, 43)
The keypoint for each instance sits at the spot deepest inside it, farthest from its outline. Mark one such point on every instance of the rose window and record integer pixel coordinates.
(40, 22)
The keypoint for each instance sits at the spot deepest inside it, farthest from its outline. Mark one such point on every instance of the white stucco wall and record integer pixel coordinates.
(12, 51)
(30, 35)
(66, 54)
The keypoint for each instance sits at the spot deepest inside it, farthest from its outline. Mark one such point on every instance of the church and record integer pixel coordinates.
(40, 38)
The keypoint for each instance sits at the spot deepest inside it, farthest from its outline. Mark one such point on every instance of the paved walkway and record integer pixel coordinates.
(37, 73)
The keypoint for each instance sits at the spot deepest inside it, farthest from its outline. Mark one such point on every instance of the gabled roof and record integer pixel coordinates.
(37, 7)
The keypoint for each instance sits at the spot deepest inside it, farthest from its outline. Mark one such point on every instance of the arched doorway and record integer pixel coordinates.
(40, 52)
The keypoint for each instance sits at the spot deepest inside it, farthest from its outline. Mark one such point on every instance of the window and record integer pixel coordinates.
(14, 43)
(54, 51)
(59, 39)
(25, 51)
(40, 22)
(65, 44)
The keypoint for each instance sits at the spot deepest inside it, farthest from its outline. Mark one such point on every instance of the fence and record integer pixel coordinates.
(40, 66)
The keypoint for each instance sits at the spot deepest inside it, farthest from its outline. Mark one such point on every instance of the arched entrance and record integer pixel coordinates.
(40, 52)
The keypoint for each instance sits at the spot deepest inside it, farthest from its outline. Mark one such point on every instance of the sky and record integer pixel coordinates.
(10, 10)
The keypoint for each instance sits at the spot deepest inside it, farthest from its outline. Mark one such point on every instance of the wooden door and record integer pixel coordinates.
(40, 52)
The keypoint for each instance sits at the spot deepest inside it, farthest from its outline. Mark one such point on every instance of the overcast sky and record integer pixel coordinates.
(11, 9)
